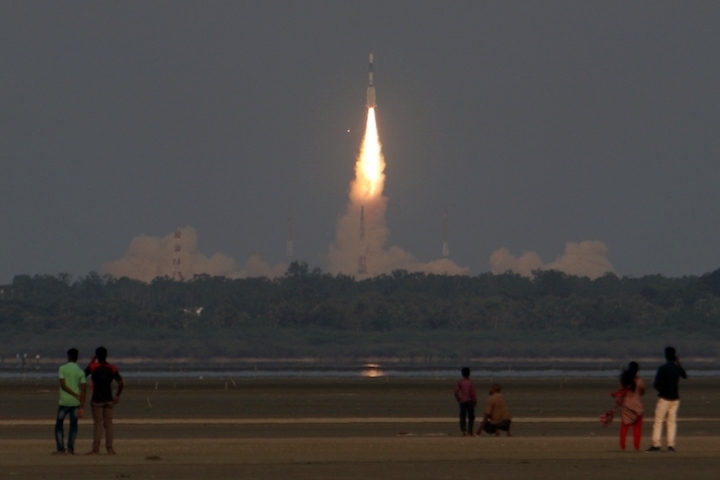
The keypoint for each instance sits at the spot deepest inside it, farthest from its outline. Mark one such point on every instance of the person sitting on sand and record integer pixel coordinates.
(497, 416)
(467, 399)
(630, 404)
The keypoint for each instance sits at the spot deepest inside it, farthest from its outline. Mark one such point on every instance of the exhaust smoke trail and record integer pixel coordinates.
(361, 233)
(355, 238)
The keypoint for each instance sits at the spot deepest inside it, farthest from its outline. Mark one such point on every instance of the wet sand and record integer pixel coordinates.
(303, 429)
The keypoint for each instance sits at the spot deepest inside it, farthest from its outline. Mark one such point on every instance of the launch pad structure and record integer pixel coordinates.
(289, 254)
(362, 259)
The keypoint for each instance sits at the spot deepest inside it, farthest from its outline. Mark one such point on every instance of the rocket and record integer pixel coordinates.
(371, 88)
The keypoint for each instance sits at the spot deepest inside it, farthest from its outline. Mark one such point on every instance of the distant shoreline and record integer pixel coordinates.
(404, 361)
(369, 367)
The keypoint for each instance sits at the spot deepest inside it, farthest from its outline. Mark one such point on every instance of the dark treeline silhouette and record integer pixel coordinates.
(309, 312)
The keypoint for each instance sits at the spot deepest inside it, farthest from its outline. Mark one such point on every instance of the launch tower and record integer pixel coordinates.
(177, 270)
(362, 259)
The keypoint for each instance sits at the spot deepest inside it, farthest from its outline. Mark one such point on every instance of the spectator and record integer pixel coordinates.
(467, 399)
(630, 404)
(72, 402)
(666, 383)
(103, 401)
(497, 417)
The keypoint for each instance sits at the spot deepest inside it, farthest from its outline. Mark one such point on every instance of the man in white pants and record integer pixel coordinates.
(666, 383)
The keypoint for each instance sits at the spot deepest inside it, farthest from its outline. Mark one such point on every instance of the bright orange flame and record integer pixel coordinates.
(369, 176)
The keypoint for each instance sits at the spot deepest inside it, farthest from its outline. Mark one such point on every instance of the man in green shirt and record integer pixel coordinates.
(72, 402)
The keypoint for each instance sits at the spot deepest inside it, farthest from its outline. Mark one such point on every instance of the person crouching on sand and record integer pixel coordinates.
(630, 404)
(497, 416)
(467, 399)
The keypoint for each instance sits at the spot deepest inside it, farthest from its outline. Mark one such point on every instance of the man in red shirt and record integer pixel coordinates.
(467, 399)
(102, 400)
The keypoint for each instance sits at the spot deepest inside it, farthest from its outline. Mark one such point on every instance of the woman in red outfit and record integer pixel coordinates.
(630, 404)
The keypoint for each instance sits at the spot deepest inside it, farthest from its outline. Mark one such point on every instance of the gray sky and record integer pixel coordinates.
(534, 123)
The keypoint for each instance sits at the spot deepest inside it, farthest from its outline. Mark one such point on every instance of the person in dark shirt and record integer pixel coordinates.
(103, 400)
(666, 383)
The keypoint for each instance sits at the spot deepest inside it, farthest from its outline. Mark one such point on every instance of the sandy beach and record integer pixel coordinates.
(354, 428)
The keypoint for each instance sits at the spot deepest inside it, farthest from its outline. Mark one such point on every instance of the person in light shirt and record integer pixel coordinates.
(71, 403)
(496, 417)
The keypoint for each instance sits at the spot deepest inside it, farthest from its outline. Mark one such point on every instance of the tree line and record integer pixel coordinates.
(307, 304)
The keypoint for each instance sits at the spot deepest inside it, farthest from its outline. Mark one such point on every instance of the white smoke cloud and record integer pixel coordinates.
(149, 257)
(583, 259)
(257, 267)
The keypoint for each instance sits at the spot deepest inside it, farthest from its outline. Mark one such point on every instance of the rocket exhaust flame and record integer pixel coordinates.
(370, 166)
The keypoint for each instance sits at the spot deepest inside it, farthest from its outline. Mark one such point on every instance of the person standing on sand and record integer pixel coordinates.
(467, 399)
(630, 404)
(72, 402)
(497, 416)
(103, 401)
(666, 383)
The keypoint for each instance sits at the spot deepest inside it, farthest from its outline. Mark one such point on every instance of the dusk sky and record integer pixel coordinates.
(534, 123)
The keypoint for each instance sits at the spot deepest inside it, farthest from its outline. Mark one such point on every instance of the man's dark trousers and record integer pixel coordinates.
(467, 416)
